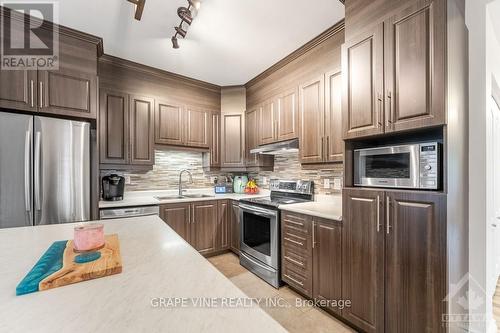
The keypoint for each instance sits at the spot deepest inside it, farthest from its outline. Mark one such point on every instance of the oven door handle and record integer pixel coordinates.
(258, 211)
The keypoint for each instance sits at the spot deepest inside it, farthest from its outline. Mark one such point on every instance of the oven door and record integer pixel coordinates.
(396, 167)
(259, 233)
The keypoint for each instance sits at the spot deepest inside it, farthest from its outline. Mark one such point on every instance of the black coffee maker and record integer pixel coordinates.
(113, 187)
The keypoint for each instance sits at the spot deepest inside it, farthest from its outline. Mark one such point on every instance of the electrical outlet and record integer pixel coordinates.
(213, 179)
(127, 180)
(326, 183)
(337, 184)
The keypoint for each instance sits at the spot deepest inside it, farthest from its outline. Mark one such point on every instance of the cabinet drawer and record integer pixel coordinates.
(298, 222)
(301, 261)
(296, 279)
(296, 240)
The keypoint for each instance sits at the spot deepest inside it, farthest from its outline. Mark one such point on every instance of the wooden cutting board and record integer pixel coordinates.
(57, 267)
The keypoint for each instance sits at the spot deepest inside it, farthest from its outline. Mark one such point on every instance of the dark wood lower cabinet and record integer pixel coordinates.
(327, 265)
(394, 252)
(235, 227)
(363, 254)
(203, 224)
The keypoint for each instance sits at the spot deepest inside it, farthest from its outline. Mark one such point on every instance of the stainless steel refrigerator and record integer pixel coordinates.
(44, 170)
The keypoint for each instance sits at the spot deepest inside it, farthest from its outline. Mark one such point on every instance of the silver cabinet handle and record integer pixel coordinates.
(294, 222)
(41, 94)
(380, 109)
(388, 215)
(293, 241)
(27, 171)
(389, 98)
(32, 91)
(378, 213)
(37, 170)
(313, 235)
(294, 261)
(293, 280)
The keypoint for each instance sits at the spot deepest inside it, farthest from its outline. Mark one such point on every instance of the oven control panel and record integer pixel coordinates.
(429, 166)
(292, 186)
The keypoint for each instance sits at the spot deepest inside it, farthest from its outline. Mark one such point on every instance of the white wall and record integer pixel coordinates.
(480, 68)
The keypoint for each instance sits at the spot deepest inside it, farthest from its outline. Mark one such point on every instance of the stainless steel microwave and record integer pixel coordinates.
(413, 166)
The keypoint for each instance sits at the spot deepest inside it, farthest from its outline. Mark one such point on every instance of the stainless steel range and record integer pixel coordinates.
(260, 227)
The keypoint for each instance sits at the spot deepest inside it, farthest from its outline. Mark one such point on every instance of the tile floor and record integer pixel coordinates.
(294, 318)
(496, 305)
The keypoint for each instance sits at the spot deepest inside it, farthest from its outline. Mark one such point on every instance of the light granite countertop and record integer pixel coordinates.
(145, 198)
(327, 207)
(156, 263)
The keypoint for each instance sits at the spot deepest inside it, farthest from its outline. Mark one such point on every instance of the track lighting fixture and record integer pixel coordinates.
(186, 15)
(139, 8)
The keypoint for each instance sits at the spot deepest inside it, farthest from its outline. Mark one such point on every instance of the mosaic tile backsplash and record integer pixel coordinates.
(168, 164)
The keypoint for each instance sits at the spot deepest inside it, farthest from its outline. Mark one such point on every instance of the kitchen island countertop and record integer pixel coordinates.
(157, 263)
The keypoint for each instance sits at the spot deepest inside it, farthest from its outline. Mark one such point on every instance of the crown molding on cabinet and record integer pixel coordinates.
(128, 64)
(325, 35)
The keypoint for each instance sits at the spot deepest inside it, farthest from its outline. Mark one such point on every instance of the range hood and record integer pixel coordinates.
(278, 148)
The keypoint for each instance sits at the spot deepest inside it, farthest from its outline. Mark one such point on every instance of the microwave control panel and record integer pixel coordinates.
(429, 166)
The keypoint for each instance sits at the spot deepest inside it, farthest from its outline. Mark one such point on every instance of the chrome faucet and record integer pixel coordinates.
(180, 180)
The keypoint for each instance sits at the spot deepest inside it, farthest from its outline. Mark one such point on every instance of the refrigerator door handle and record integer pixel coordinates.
(27, 170)
(37, 170)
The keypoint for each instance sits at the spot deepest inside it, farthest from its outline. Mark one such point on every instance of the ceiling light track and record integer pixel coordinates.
(139, 8)
(186, 14)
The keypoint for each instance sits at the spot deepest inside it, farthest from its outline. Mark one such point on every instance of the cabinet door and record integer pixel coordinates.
(415, 42)
(215, 139)
(141, 130)
(267, 119)
(68, 93)
(235, 227)
(196, 128)
(363, 79)
(327, 254)
(334, 151)
(251, 136)
(415, 261)
(204, 226)
(312, 115)
(169, 126)
(178, 217)
(233, 140)
(287, 116)
(223, 238)
(18, 90)
(363, 254)
(114, 127)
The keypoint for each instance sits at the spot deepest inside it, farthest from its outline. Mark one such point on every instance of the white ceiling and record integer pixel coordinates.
(494, 10)
(229, 42)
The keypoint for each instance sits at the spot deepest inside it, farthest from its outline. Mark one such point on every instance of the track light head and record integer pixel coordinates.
(175, 43)
(181, 31)
(185, 15)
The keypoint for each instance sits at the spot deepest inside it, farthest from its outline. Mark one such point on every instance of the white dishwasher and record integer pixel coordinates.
(123, 212)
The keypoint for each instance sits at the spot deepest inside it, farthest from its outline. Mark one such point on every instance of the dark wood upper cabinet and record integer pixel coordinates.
(334, 151)
(363, 76)
(327, 255)
(312, 115)
(215, 136)
(68, 92)
(235, 227)
(363, 258)
(204, 226)
(252, 128)
(141, 130)
(178, 217)
(233, 140)
(415, 261)
(18, 90)
(196, 127)
(267, 119)
(169, 126)
(287, 116)
(415, 67)
(114, 127)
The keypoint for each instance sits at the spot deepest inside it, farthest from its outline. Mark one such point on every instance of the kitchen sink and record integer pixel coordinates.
(198, 196)
(186, 196)
(170, 197)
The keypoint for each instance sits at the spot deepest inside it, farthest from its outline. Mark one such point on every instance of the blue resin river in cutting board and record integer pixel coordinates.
(57, 266)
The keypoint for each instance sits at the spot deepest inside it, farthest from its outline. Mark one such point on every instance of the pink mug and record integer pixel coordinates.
(88, 237)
